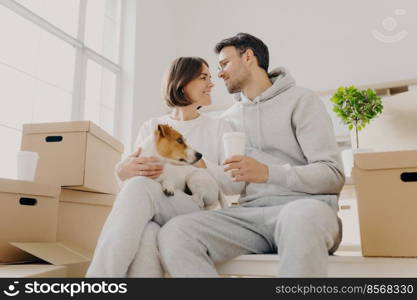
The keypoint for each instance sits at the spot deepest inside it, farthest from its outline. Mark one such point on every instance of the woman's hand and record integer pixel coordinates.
(200, 164)
(139, 166)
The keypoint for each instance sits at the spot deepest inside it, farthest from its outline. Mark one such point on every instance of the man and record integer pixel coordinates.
(292, 176)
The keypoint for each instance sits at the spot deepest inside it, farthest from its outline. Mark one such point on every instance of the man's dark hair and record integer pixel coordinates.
(181, 71)
(244, 41)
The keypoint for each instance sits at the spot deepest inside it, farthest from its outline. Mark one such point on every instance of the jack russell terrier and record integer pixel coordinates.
(177, 159)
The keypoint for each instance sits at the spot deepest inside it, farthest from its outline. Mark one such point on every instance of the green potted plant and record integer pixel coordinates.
(356, 108)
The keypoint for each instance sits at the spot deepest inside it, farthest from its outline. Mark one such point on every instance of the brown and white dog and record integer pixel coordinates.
(178, 171)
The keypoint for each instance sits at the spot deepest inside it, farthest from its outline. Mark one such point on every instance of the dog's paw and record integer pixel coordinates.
(168, 188)
(168, 192)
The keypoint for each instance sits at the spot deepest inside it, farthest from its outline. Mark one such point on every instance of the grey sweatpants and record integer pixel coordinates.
(302, 232)
(127, 246)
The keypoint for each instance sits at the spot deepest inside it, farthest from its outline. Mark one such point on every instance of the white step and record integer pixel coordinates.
(346, 262)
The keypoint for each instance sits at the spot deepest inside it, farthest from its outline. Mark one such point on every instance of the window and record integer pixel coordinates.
(58, 62)
(63, 14)
(102, 27)
(100, 95)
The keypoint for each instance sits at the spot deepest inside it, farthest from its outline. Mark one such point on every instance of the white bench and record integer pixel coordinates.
(347, 262)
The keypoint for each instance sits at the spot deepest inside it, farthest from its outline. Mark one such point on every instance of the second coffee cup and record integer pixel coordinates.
(234, 144)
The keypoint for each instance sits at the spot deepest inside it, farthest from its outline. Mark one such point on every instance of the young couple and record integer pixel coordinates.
(289, 179)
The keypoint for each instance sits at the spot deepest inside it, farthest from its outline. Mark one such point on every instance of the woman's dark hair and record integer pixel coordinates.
(181, 71)
(244, 41)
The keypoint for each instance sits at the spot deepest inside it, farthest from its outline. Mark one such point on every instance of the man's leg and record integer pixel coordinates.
(190, 245)
(140, 200)
(146, 262)
(305, 230)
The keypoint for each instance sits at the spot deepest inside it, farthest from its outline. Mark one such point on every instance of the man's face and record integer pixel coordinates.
(232, 69)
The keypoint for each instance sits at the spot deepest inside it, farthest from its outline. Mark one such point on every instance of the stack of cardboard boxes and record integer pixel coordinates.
(56, 220)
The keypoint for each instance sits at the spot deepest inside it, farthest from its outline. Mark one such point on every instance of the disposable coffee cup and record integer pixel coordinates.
(234, 144)
(27, 162)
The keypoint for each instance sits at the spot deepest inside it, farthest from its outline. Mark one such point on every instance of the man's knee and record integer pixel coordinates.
(307, 214)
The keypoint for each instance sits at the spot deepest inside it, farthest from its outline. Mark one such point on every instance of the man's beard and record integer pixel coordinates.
(235, 87)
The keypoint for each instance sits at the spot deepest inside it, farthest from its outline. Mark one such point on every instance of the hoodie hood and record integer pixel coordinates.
(281, 81)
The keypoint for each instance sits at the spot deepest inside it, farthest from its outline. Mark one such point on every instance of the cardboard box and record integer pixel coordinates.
(82, 216)
(28, 212)
(78, 155)
(75, 259)
(386, 188)
(32, 271)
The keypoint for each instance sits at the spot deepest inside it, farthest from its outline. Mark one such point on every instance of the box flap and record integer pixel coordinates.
(105, 137)
(28, 188)
(57, 253)
(32, 271)
(386, 160)
(73, 126)
(84, 197)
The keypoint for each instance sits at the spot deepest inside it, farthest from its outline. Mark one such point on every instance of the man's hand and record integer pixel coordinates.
(245, 168)
(140, 166)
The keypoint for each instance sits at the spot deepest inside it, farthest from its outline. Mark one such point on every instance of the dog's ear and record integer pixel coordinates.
(162, 129)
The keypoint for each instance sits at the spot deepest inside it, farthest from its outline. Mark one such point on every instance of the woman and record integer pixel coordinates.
(127, 246)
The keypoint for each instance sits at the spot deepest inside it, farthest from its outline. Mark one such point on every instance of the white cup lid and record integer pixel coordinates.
(28, 153)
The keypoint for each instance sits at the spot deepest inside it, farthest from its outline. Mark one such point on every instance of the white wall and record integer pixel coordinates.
(156, 47)
(324, 43)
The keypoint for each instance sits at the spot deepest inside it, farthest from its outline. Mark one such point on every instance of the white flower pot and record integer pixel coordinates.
(347, 159)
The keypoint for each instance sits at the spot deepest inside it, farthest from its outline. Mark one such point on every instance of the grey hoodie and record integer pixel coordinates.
(288, 128)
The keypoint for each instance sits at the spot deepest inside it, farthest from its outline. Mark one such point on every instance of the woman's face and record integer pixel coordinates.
(198, 89)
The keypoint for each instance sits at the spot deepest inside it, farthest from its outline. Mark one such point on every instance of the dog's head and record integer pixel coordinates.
(171, 145)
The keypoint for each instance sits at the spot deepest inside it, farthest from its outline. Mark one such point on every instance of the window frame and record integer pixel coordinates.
(83, 54)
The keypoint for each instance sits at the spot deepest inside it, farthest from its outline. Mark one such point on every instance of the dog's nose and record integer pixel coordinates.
(198, 155)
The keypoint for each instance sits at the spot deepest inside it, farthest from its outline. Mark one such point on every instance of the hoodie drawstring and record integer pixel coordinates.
(243, 118)
(258, 125)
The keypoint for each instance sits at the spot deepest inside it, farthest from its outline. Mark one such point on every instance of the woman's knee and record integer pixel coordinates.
(139, 189)
(138, 193)
(140, 183)
(150, 234)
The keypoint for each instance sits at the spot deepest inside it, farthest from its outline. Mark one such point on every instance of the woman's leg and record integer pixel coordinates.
(140, 200)
(146, 262)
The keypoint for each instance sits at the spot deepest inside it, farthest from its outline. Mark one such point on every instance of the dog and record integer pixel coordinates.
(178, 173)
